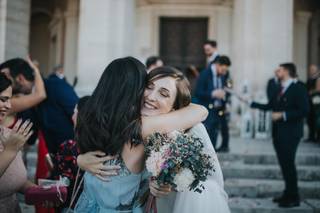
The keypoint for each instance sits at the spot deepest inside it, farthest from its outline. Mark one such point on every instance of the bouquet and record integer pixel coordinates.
(177, 159)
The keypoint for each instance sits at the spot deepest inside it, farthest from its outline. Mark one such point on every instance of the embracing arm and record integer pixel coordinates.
(180, 119)
(264, 107)
(23, 102)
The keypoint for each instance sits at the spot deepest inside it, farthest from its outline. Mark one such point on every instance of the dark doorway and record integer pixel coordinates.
(40, 40)
(181, 41)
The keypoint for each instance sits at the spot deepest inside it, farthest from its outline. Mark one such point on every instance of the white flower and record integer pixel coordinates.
(183, 180)
(154, 163)
(174, 134)
(165, 151)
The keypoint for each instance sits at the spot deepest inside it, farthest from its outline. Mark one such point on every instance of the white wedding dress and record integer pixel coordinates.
(213, 198)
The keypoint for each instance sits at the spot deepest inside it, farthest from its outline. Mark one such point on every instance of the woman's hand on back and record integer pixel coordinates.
(93, 162)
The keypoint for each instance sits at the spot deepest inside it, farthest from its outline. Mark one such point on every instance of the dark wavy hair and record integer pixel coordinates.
(18, 66)
(4, 82)
(183, 97)
(111, 117)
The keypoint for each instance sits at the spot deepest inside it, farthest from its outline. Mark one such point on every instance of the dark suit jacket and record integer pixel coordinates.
(294, 102)
(205, 87)
(55, 113)
(273, 87)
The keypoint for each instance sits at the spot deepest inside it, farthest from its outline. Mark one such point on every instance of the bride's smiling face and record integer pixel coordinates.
(159, 96)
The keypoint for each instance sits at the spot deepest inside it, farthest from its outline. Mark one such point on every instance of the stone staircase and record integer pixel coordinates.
(253, 177)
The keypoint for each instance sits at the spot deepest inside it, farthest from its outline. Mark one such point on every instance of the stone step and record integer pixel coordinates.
(268, 158)
(248, 205)
(260, 188)
(255, 171)
(314, 203)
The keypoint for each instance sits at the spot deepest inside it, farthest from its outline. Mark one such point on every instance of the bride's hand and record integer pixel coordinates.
(93, 162)
(159, 190)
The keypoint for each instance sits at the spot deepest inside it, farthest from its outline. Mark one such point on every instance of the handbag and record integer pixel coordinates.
(37, 195)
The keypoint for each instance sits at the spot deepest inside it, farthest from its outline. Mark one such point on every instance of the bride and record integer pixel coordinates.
(168, 90)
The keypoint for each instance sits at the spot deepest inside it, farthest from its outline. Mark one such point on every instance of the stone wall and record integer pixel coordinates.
(16, 28)
(3, 12)
(105, 33)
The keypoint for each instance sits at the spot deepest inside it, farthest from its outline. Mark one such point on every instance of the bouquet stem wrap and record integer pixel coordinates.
(151, 206)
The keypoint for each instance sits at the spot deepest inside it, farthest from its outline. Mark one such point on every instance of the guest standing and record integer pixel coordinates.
(210, 93)
(289, 108)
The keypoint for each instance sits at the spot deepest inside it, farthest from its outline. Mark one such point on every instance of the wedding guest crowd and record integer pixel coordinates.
(46, 110)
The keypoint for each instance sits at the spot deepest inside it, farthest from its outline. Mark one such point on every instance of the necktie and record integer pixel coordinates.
(281, 91)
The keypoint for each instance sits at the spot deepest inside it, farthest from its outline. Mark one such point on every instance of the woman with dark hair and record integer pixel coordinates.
(11, 143)
(112, 122)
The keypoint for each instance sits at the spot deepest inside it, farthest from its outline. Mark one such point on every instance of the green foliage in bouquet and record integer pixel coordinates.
(172, 157)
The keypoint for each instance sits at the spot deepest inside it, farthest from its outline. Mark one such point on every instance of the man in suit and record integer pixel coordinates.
(210, 93)
(289, 108)
(210, 48)
(273, 85)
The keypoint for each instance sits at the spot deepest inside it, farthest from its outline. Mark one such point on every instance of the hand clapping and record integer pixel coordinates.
(17, 137)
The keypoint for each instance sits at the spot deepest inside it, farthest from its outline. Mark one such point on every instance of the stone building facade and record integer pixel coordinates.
(85, 35)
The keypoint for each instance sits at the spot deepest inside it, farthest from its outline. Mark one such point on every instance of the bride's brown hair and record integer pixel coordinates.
(183, 97)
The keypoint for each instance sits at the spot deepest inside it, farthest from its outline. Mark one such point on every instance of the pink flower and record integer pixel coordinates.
(155, 162)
